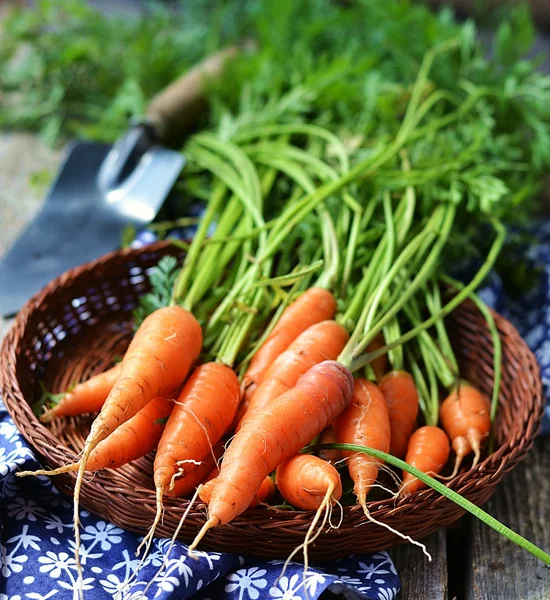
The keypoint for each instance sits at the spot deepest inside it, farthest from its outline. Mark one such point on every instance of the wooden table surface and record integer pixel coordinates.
(470, 561)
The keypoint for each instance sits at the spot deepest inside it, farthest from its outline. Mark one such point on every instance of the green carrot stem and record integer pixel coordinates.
(192, 256)
(419, 279)
(350, 251)
(392, 331)
(449, 307)
(420, 382)
(433, 302)
(444, 491)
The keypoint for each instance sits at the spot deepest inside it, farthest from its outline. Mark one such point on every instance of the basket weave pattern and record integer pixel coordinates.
(81, 321)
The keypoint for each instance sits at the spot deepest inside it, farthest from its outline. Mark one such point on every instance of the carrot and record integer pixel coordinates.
(86, 397)
(379, 365)
(428, 451)
(157, 361)
(133, 439)
(265, 492)
(204, 410)
(275, 435)
(313, 306)
(466, 420)
(322, 341)
(328, 436)
(402, 398)
(309, 483)
(305, 480)
(365, 423)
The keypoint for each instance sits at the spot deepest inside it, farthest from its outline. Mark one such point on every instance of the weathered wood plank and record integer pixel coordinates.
(420, 579)
(496, 568)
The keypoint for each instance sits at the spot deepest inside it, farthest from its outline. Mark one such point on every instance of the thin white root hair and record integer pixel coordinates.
(385, 489)
(212, 522)
(50, 472)
(173, 540)
(88, 448)
(389, 528)
(341, 507)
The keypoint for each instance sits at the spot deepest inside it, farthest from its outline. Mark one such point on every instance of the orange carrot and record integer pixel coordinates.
(329, 437)
(203, 412)
(365, 423)
(322, 341)
(465, 418)
(157, 361)
(86, 397)
(305, 480)
(402, 399)
(313, 306)
(275, 435)
(379, 365)
(204, 409)
(428, 451)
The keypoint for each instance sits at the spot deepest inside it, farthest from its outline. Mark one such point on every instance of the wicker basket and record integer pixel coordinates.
(80, 321)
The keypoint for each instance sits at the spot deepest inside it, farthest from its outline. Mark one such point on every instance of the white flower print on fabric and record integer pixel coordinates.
(24, 509)
(287, 588)
(106, 534)
(10, 460)
(248, 581)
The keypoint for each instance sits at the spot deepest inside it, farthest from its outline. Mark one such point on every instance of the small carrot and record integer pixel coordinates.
(322, 341)
(379, 365)
(86, 397)
(465, 416)
(328, 436)
(275, 435)
(365, 423)
(306, 480)
(402, 398)
(428, 451)
(313, 306)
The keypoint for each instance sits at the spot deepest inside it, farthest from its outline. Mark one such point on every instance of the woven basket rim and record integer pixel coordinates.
(42, 439)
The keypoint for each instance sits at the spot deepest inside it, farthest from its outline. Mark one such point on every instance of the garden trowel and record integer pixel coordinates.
(102, 189)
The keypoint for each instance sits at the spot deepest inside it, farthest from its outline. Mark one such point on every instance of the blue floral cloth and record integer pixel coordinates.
(36, 550)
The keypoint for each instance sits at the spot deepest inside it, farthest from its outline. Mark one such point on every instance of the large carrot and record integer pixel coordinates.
(192, 474)
(157, 361)
(465, 416)
(275, 435)
(313, 306)
(402, 399)
(86, 397)
(365, 423)
(322, 341)
(428, 452)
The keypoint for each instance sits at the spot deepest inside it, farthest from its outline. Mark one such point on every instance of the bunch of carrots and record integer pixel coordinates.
(302, 335)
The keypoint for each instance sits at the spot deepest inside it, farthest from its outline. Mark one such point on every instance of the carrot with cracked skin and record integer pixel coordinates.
(313, 306)
(274, 435)
(304, 480)
(157, 361)
(86, 397)
(365, 423)
(322, 341)
(428, 451)
(328, 436)
(465, 417)
(402, 399)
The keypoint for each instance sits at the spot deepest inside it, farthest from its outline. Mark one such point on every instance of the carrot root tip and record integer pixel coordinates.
(212, 522)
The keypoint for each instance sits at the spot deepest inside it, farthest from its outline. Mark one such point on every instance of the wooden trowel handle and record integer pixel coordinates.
(174, 110)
